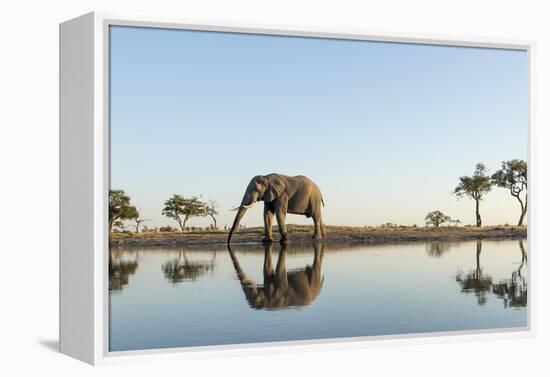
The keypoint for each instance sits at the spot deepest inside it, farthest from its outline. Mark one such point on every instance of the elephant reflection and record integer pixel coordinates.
(514, 291)
(282, 289)
(182, 269)
(476, 281)
(120, 270)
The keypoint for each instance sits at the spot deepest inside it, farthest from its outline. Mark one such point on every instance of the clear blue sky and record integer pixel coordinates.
(384, 129)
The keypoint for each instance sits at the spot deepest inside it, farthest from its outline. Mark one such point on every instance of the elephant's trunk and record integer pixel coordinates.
(238, 217)
(240, 274)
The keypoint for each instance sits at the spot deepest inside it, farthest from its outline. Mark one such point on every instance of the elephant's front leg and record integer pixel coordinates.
(281, 277)
(281, 221)
(268, 221)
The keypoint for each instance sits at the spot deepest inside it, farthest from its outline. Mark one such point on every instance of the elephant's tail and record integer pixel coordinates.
(322, 201)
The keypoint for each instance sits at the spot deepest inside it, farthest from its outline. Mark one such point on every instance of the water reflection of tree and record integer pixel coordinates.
(120, 270)
(514, 290)
(182, 269)
(437, 249)
(282, 289)
(475, 281)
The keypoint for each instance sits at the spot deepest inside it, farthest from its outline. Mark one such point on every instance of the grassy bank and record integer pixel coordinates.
(301, 234)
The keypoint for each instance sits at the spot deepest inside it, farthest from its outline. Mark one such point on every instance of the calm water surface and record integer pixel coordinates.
(175, 297)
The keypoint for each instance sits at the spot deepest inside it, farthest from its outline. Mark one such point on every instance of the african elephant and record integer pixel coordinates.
(282, 289)
(281, 195)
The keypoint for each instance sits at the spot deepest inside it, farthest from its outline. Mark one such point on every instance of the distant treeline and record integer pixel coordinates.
(177, 207)
(511, 176)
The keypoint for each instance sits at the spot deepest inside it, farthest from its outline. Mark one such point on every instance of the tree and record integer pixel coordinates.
(513, 176)
(182, 209)
(476, 281)
(119, 207)
(436, 218)
(120, 271)
(212, 210)
(514, 291)
(119, 226)
(136, 216)
(178, 271)
(437, 249)
(474, 187)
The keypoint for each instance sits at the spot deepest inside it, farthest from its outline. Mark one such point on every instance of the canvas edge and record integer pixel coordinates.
(315, 31)
(76, 190)
(102, 21)
(532, 192)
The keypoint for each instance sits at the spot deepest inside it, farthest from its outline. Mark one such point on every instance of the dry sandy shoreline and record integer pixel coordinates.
(300, 235)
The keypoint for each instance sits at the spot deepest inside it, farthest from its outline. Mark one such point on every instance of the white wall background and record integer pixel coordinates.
(29, 189)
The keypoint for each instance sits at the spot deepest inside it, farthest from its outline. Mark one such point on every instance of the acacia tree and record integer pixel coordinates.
(212, 211)
(119, 225)
(474, 187)
(437, 249)
(437, 218)
(476, 281)
(182, 209)
(136, 217)
(513, 176)
(119, 207)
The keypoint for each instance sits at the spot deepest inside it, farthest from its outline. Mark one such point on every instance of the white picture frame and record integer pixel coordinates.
(84, 169)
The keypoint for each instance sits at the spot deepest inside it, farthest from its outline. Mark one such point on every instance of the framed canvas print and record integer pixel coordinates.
(234, 187)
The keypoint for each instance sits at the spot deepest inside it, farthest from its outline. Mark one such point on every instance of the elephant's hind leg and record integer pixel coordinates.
(317, 228)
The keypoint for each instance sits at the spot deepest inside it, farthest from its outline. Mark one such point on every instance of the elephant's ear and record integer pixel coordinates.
(275, 188)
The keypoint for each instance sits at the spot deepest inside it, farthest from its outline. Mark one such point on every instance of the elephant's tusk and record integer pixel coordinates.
(243, 206)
